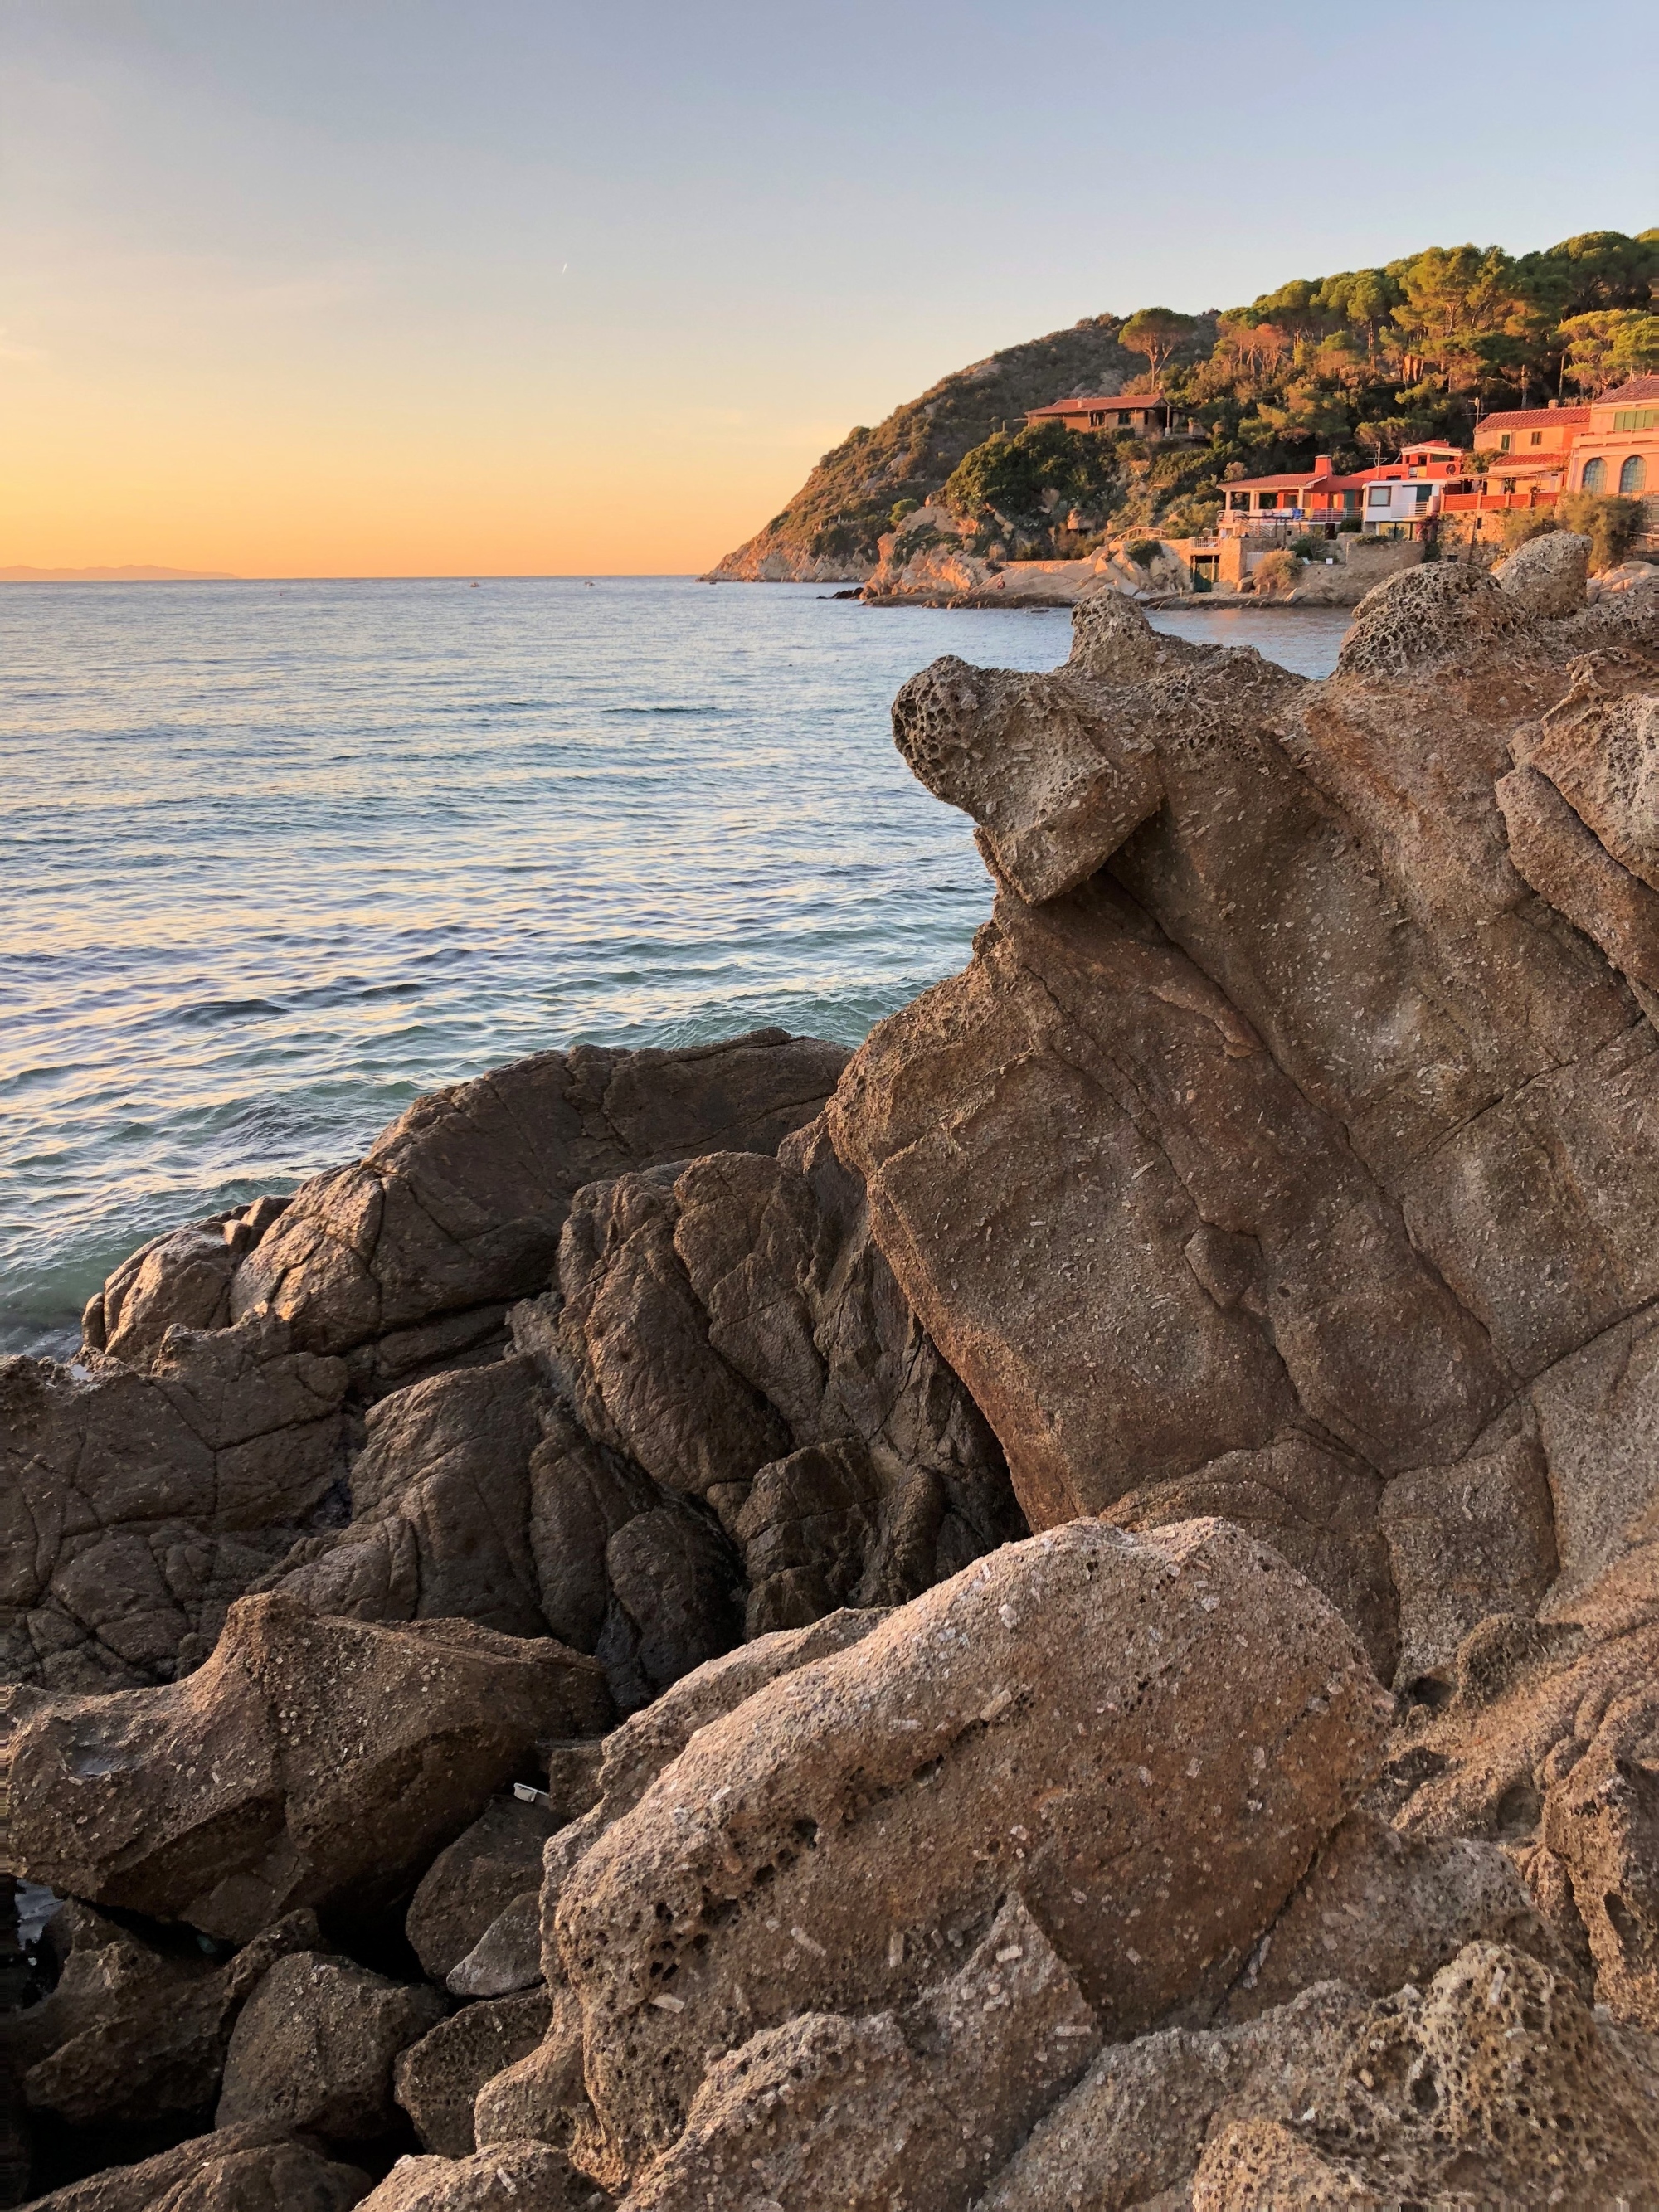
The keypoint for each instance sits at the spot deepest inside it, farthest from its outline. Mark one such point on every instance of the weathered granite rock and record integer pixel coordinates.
(315, 2045)
(460, 1204)
(135, 1507)
(1284, 1158)
(1547, 575)
(248, 2169)
(309, 1762)
(829, 2113)
(476, 1878)
(1599, 748)
(510, 2178)
(132, 2029)
(735, 1331)
(1566, 864)
(437, 2080)
(1171, 1723)
(1467, 1542)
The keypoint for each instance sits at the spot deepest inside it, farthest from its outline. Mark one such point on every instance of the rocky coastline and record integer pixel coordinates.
(1060, 1612)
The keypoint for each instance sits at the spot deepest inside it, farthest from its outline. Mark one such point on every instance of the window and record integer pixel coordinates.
(1378, 496)
(1636, 418)
(1425, 493)
(1537, 438)
(1595, 476)
(1267, 499)
(1633, 475)
(1504, 443)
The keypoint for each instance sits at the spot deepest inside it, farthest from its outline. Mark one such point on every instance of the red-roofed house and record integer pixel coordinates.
(1142, 411)
(1393, 500)
(1526, 434)
(1619, 451)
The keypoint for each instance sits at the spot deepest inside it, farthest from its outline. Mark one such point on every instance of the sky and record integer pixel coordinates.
(518, 286)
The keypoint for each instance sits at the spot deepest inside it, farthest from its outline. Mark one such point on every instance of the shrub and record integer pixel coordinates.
(1304, 549)
(1276, 573)
(1610, 523)
(901, 508)
(1143, 551)
(1350, 526)
(1521, 524)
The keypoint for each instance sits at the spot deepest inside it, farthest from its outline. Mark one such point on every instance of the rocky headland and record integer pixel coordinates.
(1062, 1613)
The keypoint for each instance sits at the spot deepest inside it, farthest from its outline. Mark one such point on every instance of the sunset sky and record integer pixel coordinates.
(416, 287)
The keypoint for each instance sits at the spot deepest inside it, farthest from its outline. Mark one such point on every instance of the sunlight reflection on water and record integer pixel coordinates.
(279, 858)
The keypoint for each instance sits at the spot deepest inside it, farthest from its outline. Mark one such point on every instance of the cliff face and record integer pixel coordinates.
(827, 533)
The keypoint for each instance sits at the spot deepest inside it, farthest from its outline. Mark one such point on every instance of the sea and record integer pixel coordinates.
(275, 859)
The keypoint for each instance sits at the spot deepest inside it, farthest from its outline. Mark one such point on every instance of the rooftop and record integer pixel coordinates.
(1082, 399)
(1639, 388)
(1535, 418)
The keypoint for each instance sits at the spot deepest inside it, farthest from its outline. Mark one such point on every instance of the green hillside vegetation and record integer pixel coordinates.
(1354, 364)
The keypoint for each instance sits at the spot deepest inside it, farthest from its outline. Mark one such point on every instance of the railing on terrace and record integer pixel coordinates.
(1488, 503)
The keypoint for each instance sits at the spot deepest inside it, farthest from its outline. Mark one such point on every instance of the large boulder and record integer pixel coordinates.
(736, 1332)
(526, 2177)
(833, 2114)
(476, 1878)
(247, 2169)
(136, 1506)
(1280, 1140)
(136, 2027)
(1146, 1737)
(458, 1206)
(315, 2045)
(1547, 575)
(310, 1762)
(437, 2080)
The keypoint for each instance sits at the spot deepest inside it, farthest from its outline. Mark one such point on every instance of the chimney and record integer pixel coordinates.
(1322, 465)
(1555, 403)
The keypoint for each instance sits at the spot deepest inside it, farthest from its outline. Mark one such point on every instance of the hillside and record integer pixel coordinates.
(1352, 364)
(828, 532)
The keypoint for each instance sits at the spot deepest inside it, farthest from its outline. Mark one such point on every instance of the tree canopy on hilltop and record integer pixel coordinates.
(1353, 364)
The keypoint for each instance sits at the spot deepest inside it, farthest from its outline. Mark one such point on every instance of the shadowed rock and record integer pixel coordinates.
(308, 1763)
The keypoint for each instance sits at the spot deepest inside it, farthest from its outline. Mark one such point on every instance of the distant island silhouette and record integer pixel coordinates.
(127, 575)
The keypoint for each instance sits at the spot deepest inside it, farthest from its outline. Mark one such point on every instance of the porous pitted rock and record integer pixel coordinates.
(309, 1762)
(437, 2080)
(1148, 1736)
(459, 1203)
(476, 1878)
(828, 2113)
(315, 2045)
(133, 2028)
(1375, 1911)
(135, 1507)
(542, 2097)
(1547, 575)
(510, 2178)
(249, 2169)
(1496, 2086)
(1134, 2126)
(736, 1332)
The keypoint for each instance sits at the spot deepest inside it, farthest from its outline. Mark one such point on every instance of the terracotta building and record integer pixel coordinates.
(1142, 411)
(1619, 449)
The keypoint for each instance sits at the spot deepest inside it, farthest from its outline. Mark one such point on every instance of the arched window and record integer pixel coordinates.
(1595, 476)
(1633, 476)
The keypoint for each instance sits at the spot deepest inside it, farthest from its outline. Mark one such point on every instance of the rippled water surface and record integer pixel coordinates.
(277, 858)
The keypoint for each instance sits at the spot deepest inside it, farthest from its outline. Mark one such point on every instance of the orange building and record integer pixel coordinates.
(1618, 450)
(1530, 434)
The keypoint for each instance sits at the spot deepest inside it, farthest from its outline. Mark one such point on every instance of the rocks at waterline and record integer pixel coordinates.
(1384, 1307)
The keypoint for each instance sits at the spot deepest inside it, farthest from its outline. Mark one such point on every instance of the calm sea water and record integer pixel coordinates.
(276, 859)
